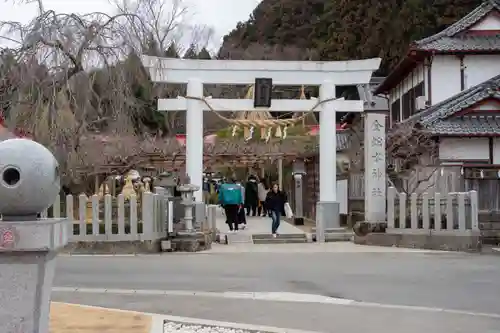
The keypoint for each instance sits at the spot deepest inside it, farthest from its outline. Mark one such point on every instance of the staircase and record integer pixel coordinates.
(238, 238)
(490, 228)
(280, 239)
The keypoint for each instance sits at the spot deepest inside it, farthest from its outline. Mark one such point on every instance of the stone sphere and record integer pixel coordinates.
(29, 178)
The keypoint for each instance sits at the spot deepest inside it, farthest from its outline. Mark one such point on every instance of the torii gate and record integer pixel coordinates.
(327, 75)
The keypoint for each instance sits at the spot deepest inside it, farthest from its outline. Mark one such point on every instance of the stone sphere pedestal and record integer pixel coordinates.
(29, 183)
(27, 263)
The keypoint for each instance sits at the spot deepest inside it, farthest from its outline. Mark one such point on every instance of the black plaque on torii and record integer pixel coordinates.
(262, 93)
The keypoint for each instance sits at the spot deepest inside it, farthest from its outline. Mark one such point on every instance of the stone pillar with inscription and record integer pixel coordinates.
(375, 168)
(29, 184)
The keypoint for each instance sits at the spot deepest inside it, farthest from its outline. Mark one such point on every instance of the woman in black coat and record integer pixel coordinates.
(251, 196)
(275, 204)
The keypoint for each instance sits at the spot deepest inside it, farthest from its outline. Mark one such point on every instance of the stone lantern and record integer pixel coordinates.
(187, 194)
(299, 171)
(29, 184)
(168, 182)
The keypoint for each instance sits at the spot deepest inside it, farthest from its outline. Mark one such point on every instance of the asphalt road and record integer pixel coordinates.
(453, 282)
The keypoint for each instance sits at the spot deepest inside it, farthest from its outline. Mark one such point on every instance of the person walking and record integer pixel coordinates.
(275, 204)
(262, 191)
(251, 196)
(231, 200)
(242, 219)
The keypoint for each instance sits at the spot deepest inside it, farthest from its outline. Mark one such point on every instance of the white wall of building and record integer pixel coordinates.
(464, 149)
(418, 75)
(445, 73)
(490, 22)
(496, 150)
(445, 77)
(479, 68)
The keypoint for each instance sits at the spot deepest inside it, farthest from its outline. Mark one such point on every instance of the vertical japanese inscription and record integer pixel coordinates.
(377, 158)
(375, 168)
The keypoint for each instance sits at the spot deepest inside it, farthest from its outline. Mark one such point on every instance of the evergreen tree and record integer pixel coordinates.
(204, 54)
(347, 29)
(171, 52)
(191, 52)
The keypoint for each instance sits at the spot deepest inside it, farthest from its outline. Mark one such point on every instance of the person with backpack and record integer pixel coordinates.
(231, 199)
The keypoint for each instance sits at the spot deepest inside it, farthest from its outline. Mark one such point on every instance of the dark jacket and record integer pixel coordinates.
(251, 192)
(276, 201)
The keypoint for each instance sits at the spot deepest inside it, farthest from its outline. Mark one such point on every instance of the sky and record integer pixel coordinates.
(221, 15)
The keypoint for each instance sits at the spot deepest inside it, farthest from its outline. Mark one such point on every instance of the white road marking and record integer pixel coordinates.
(273, 297)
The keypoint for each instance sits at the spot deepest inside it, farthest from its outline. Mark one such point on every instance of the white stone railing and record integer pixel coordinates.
(113, 218)
(457, 211)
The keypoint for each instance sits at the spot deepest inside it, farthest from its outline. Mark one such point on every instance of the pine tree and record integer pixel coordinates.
(204, 54)
(346, 29)
(171, 52)
(191, 52)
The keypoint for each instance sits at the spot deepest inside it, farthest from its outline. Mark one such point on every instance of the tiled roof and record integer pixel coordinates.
(463, 43)
(437, 117)
(447, 40)
(468, 125)
(343, 137)
(461, 101)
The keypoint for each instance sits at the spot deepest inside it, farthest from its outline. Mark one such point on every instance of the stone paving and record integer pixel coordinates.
(333, 247)
(256, 225)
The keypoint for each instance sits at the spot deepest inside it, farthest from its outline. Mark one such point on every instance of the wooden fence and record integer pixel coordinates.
(456, 211)
(113, 218)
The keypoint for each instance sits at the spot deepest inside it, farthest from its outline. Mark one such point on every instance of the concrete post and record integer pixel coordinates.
(28, 245)
(330, 208)
(194, 136)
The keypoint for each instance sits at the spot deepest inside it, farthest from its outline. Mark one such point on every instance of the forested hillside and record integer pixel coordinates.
(340, 29)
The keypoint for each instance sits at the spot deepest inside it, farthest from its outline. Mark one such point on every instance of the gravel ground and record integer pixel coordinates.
(175, 327)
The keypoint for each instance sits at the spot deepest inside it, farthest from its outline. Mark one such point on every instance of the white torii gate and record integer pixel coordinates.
(325, 74)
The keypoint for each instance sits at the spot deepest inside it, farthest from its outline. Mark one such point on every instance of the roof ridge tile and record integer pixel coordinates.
(468, 20)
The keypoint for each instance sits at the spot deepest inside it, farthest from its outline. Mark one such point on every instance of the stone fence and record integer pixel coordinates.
(111, 218)
(439, 222)
(456, 211)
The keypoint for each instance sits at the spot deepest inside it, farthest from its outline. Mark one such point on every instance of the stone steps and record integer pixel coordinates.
(238, 238)
(490, 232)
(280, 239)
(335, 235)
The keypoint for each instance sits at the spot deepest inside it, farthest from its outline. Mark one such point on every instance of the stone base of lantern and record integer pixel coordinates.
(192, 241)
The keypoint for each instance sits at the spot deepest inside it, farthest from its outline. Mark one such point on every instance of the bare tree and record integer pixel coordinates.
(161, 20)
(412, 155)
(164, 25)
(66, 78)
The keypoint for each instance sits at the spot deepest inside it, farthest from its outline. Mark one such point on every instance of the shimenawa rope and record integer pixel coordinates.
(261, 122)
